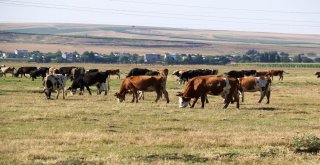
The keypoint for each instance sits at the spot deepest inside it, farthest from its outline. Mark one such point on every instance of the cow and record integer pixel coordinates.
(42, 71)
(200, 86)
(56, 83)
(262, 73)
(114, 72)
(1, 73)
(178, 73)
(88, 79)
(76, 72)
(235, 74)
(6, 69)
(249, 72)
(317, 74)
(164, 72)
(277, 73)
(137, 72)
(185, 76)
(254, 84)
(133, 84)
(24, 70)
(92, 70)
(66, 71)
(53, 70)
(152, 73)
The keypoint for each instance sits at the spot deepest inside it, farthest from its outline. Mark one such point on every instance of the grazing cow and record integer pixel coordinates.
(92, 70)
(137, 72)
(317, 74)
(56, 83)
(254, 84)
(24, 70)
(114, 72)
(5, 70)
(277, 73)
(178, 73)
(235, 74)
(214, 85)
(42, 71)
(133, 84)
(76, 72)
(88, 79)
(249, 72)
(66, 71)
(185, 76)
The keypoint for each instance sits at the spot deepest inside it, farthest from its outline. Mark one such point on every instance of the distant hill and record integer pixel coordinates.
(136, 39)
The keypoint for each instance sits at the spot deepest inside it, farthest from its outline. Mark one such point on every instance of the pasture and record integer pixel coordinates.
(98, 130)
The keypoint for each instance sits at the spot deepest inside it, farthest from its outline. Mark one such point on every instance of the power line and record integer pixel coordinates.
(160, 13)
(218, 8)
(125, 12)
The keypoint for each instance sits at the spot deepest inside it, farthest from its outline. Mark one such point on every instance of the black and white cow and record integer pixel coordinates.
(56, 83)
(42, 71)
(92, 78)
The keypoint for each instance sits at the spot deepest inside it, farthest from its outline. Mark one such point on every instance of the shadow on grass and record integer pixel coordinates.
(174, 157)
(264, 108)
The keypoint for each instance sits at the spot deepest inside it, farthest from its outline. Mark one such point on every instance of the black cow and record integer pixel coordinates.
(42, 71)
(92, 70)
(76, 72)
(94, 78)
(235, 74)
(138, 72)
(185, 76)
(66, 71)
(24, 70)
(152, 73)
(249, 72)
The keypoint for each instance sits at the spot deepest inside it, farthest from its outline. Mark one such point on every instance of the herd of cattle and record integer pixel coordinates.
(201, 82)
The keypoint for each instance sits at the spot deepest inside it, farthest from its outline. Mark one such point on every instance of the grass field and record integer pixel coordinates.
(98, 130)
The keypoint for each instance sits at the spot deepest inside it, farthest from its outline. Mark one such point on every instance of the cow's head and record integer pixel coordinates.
(48, 91)
(73, 90)
(183, 101)
(120, 97)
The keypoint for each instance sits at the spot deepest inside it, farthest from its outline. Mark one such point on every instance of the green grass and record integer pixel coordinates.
(96, 129)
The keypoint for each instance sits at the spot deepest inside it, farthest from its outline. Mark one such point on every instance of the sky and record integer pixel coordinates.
(282, 16)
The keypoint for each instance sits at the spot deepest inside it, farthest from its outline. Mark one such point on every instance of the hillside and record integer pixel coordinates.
(133, 39)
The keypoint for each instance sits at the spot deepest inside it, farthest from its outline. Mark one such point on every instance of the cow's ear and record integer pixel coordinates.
(179, 94)
(116, 94)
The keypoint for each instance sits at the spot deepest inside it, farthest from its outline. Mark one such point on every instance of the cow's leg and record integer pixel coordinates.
(5, 75)
(203, 99)
(268, 96)
(118, 75)
(104, 88)
(98, 89)
(166, 95)
(88, 90)
(58, 92)
(194, 102)
(158, 95)
(133, 97)
(226, 103)
(63, 93)
(236, 98)
(263, 93)
(207, 101)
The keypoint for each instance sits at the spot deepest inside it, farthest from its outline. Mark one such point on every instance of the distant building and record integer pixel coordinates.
(70, 57)
(9, 55)
(22, 53)
(152, 58)
(175, 56)
(122, 54)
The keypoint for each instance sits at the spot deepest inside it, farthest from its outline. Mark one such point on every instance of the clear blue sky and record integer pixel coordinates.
(285, 16)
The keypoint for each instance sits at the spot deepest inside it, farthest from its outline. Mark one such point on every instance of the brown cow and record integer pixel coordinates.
(53, 70)
(6, 69)
(133, 84)
(317, 74)
(254, 84)
(214, 85)
(262, 73)
(114, 72)
(277, 73)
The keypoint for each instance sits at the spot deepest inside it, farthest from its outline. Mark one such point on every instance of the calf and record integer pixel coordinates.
(317, 74)
(114, 72)
(214, 85)
(277, 73)
(254, 84)
(24, 70)
(134, 84)
(42, 71)
(56, 83)
(95, 78)
(5, 70)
